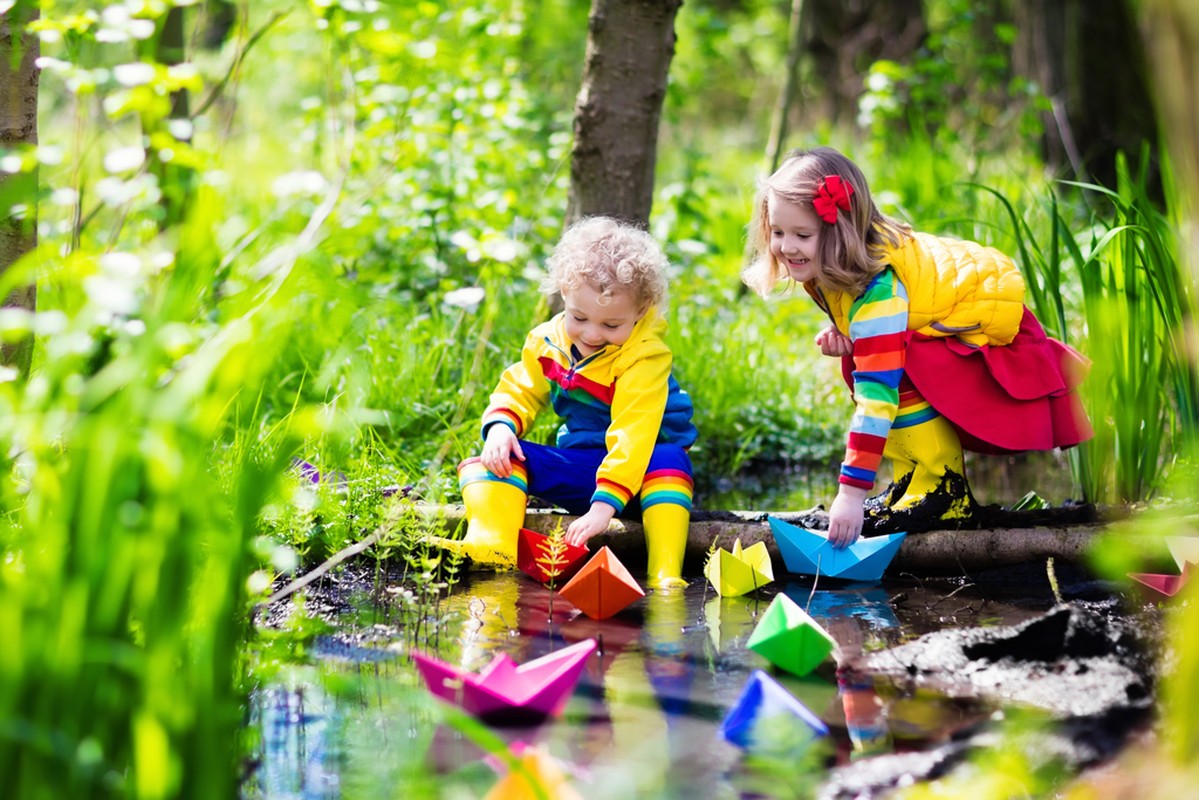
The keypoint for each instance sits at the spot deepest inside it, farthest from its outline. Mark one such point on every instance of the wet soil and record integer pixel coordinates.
(933, 513)
(1086, 669)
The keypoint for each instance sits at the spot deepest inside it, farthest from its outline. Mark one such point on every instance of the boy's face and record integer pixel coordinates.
(591, 326)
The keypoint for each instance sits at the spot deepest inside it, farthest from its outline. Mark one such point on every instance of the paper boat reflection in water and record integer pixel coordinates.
(603, 587)
(507, 692)
(764, 700)
(739, 572)
(807, 552)
(533, 557)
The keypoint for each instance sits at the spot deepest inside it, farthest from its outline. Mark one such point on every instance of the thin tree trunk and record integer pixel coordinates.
(18, 129)
(782, 109)
(174, 181)
(630, 44)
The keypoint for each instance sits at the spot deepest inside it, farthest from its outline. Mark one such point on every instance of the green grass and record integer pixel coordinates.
(149, 497)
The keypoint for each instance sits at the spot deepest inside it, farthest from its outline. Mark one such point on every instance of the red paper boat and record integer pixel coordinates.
(1168, 585)
(533, 557)
(505, 692)
(602, 587)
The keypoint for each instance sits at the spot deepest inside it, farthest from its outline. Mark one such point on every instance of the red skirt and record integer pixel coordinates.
(1002, 399)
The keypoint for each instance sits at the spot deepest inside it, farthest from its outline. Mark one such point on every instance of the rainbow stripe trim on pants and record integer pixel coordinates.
(913, 409)
(667, 486)
(472, 471)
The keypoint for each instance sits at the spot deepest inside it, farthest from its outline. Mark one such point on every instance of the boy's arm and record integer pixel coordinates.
(521, 394)
(637, 408)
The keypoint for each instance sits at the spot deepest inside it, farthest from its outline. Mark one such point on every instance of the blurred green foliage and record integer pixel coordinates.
(375, 186)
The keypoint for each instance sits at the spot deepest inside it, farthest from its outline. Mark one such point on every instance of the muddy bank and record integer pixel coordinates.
(991, 537)
(1085, 670)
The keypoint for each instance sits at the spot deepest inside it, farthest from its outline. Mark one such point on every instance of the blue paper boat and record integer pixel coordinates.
(807, 552)
(762, 698)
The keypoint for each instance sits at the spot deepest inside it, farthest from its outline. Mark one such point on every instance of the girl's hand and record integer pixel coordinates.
(845, 518)
(499, 448)
(594, 521)
(834, 343)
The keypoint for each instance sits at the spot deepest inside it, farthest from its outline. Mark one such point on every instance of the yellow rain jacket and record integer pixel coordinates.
(955, 288)
(623, 399)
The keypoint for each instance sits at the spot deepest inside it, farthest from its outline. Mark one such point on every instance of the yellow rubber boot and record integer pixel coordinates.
(495, 511)
(666, 526)
(901, 471)
(933, 448)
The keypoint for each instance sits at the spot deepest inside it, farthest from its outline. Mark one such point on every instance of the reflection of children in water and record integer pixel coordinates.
(865, 714)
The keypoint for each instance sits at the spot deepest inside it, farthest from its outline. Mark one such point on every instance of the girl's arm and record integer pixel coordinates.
(877, 328)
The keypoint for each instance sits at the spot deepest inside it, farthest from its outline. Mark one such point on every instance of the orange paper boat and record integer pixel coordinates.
(602, 587)
(533, 557)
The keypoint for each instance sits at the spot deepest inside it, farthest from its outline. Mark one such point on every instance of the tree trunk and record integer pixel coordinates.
(174, 181)
(630, 44)
(18, 130)
(844, 37)
(782, 109)
(1088, 59)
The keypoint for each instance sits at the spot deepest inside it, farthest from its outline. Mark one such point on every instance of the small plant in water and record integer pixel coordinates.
(554, 560)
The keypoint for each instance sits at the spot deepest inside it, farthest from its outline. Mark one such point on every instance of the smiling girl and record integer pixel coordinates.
(934, 337)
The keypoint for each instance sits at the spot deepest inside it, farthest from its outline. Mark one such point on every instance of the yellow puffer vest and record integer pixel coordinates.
(955, 288)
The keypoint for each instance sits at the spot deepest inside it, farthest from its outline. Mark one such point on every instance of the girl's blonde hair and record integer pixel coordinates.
(611, 256)
(851, 250)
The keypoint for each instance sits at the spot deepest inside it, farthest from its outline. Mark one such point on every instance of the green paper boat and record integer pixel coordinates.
(807, 552)
(741, 571)
(788, 638)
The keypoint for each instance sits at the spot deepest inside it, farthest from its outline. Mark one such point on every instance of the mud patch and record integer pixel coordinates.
(1087, 671)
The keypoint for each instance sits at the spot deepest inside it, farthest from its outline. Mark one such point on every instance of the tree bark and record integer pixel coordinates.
(1088, 59)
(782, 109)
(18, 130)
(174, 181)
(630, 44)
(844, 37)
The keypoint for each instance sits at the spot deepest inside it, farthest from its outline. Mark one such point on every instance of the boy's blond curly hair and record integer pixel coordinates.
(611, 256)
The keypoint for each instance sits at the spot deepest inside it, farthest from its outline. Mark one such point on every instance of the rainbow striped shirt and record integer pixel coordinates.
(878, 323)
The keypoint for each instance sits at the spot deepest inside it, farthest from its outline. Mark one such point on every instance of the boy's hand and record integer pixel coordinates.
(846, 517)
(834, 343)
(499, 448)
(594, 521)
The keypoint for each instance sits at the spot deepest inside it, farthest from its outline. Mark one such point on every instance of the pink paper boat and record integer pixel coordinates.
(1168, 585)
(505, 692)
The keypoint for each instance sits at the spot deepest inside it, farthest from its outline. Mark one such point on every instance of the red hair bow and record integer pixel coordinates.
(831, 194)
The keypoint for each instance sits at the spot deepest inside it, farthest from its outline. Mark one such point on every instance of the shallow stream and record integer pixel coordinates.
(644, 720)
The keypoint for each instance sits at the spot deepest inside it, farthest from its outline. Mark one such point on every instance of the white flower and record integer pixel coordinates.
(467, 298)
(136, 74)
(124, 159)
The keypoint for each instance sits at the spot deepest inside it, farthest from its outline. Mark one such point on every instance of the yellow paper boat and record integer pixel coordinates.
(741, 571)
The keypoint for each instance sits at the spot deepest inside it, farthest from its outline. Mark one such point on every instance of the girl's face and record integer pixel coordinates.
(794, 233)
(591, 326)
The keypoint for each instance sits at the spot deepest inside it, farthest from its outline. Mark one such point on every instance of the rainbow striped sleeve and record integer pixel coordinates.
(612, 493)
(878, 322)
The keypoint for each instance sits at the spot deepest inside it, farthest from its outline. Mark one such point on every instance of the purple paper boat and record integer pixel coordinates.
(505, 692)
(808, 552)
